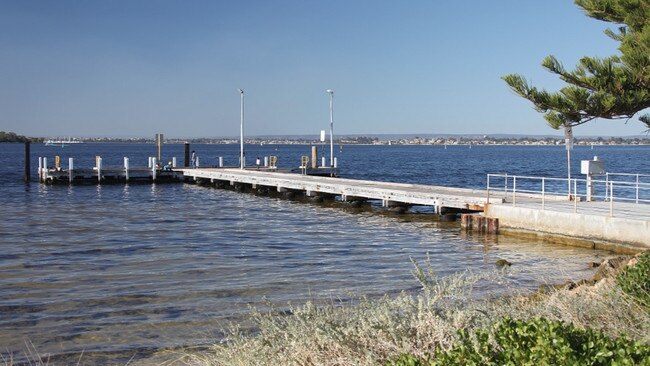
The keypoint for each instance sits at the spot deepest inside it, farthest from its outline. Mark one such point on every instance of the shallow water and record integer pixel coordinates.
(124, 270)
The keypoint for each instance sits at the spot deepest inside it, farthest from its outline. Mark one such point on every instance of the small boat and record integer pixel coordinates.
(62, 143)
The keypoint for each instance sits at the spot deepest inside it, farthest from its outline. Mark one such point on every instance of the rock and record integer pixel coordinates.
(609, 267)
(503, 263)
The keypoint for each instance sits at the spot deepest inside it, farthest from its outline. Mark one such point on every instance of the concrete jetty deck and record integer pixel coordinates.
(440, 198)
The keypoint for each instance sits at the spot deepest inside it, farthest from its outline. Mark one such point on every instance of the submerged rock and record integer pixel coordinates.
(503, 263)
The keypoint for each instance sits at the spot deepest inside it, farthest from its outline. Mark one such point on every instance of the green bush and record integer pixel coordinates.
(536, 342)
(635, 280)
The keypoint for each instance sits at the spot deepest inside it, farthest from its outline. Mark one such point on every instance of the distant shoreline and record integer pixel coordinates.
(400, 142)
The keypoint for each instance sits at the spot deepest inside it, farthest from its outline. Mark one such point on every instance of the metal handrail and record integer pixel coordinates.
(628, 191)
(635, 175)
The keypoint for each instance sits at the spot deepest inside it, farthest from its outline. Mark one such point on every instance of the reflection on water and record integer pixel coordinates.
(119, 269)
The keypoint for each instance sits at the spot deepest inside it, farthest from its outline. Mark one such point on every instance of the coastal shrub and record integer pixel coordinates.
(535, 341)
(635, 280)
(423, 325)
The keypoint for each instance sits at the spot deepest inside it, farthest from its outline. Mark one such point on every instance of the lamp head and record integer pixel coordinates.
(241, 91)
(330, 91)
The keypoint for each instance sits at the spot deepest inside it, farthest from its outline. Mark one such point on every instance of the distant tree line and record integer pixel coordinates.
(13, 137)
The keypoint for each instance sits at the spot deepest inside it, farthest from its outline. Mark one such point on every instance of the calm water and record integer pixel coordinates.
(122, 270)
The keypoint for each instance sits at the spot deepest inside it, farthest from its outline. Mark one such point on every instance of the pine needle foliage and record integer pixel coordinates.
(614, 87)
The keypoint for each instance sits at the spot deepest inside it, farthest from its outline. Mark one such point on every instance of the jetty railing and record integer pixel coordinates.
(614, 187)
(636, 179)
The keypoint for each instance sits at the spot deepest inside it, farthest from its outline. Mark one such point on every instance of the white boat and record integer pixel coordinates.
(62, 143)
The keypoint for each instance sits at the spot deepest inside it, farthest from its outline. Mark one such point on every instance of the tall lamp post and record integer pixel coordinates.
(241, 131)
(331, 93)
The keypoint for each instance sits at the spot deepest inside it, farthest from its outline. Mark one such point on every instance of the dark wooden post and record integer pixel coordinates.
(28, 163)
(187, 154)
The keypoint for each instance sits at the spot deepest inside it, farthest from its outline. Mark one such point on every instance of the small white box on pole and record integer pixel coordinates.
(592, 167)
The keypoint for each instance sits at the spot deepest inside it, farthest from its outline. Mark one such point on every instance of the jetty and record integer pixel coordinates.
(442, 199)
(610, 213)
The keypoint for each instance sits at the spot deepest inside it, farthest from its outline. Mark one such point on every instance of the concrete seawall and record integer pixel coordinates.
(628, 230)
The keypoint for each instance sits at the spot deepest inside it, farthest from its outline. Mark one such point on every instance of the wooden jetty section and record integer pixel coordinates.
(390, 194)
(106, 174)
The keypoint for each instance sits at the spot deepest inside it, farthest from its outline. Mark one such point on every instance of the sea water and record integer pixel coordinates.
(116, 271)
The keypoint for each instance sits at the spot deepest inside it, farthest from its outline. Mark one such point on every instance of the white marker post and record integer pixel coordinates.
(126, 168)
(40, 169)
(99, 169)
(70, 170)
(153, 169)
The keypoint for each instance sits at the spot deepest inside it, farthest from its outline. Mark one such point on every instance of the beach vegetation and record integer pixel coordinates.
(635, 280)
(446, 322)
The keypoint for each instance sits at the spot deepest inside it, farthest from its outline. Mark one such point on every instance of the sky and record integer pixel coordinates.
(133, 68)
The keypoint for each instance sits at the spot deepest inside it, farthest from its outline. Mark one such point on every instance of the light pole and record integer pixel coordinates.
(241, 132)
(331, 93)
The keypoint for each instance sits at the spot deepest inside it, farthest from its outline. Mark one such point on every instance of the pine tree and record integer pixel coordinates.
(616, 87)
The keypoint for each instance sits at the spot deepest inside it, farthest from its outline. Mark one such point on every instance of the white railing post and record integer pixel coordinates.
(637, 189)
(514, 190)
(543, 193)
(611, 199)
(488, 189)
(575, 195)
(505, 189)
(606, 186)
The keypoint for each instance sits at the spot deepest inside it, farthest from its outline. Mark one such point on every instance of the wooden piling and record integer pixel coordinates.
(481, 224)
(28, 163)
(187, 155)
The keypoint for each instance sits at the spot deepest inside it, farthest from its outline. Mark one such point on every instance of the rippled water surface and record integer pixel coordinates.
(124, 270)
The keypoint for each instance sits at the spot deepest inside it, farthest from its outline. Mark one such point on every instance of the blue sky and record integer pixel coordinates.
(134, 68)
